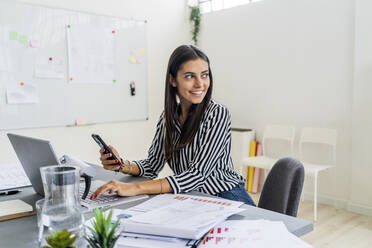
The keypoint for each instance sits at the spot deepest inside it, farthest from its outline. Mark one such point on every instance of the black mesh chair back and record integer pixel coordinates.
(283, 186)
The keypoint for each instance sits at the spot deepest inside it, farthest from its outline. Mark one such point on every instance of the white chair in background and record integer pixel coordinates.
(277, 142)
(317, 152)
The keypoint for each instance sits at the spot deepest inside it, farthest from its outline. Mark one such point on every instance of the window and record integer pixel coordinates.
(215, 5)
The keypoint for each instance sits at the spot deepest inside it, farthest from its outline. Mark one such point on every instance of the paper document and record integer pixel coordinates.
(135, 240)
(179, 216)
(252, 233)
(186, 219)
(13, 176)
(4, 64)
(49, 67)
(22, 92)
(85, 168)
(167, 199)
(90, 54)
(187, 213)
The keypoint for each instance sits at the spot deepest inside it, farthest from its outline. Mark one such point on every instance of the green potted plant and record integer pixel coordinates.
(102, 234)
(60, 239)
(195, 18)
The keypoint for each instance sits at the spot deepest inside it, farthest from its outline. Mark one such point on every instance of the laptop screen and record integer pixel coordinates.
(33, 153)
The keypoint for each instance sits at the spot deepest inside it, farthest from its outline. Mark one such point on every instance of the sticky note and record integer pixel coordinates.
(68, 26)
(142, 51)
(34, 43)
(22, 83)
(13, 35)
(23, 39)
(80, 121)
(132, 60)
(114, 81)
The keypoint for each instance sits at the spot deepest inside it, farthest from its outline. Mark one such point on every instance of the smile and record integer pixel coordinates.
(197, 92)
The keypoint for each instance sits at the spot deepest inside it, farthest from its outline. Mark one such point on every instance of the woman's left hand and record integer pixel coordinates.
(122, 189)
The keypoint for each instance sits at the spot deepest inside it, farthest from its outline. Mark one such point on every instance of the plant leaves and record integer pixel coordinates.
(102, 233)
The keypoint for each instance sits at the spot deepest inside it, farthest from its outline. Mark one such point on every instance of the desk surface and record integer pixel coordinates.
(22, 232)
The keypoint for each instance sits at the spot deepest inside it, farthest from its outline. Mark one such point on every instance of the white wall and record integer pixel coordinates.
(361, 183)
(288, 62)
(167, 28)
(280, 62)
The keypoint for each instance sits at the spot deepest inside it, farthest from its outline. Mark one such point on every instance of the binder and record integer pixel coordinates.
(252, 153)
(257, 171)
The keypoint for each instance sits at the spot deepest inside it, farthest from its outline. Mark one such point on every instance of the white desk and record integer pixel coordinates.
(22, 232)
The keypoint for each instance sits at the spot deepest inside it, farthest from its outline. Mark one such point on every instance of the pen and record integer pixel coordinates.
(10, 192)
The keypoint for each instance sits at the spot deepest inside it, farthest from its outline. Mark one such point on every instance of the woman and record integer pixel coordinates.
(193, 135)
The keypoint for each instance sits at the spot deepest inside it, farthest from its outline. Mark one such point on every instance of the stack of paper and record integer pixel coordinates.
(135, 240)
(188, 219)
(252, 233)
(169, 220)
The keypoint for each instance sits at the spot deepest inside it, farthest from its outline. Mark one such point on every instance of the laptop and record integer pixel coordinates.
(34, 153)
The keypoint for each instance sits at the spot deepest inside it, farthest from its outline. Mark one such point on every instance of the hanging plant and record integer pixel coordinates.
(195, 18)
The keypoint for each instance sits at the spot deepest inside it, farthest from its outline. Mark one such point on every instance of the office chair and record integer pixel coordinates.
(282, 189)
(317, 152)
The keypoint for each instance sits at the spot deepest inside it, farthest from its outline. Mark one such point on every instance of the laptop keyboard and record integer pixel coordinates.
(105, 199)
(102, 199)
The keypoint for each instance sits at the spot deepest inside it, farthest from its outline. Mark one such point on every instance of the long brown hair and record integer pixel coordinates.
(179, 56)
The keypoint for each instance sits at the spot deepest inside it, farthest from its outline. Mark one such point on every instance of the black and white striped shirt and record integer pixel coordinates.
(205, 164)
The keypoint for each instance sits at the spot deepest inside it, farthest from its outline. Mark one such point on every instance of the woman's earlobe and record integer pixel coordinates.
(172, 81)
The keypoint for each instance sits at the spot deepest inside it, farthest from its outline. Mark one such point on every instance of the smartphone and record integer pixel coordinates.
(102, 144)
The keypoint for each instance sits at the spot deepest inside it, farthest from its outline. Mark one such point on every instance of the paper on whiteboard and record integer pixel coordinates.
(90, 54)
(4, 51)
(49, 67)
(3, 58)
(22, 92)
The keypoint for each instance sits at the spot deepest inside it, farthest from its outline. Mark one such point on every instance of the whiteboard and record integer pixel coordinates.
(34, 54)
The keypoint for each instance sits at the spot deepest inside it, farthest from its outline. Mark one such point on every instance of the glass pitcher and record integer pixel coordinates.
(61, 208)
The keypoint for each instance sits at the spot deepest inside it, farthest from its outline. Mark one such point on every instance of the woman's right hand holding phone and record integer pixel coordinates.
(110, 164)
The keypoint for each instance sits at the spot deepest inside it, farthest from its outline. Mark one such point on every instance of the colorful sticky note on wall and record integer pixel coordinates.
(132, 60)
(34, 43)
(80, 121)
(142, 51)
(13, 35)
(23, 39)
